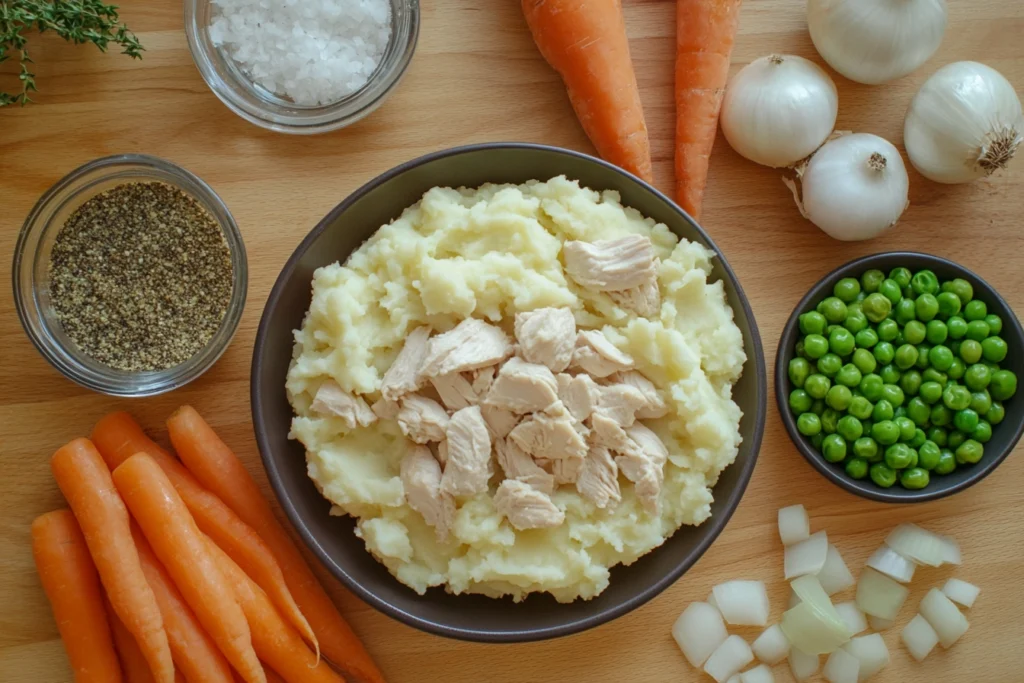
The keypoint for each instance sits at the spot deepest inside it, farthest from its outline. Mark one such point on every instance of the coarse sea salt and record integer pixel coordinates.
(313, 52)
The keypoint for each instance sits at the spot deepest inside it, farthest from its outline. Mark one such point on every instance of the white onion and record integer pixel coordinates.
(835, 576)
(807, 556)
(854, 619)
(919, 637)
(728, 658)
(794, 600)
(803, 665)
(963, 124)
(961, 592)
(878, 623)
(892, 564)
(698, 631)
(944, 617)
(794, 524)
(759, 674)
(879, 595)
(772, 646)
(813, 626)
(778, 109)
(841, 667)
(923, 546)
(872, 653)
(742, 603)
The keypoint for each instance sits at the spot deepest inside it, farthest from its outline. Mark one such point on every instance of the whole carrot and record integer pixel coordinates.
(220, 470)
(84, 479)
(181, 548)
(133, 663)
(585, 42)
(705, 32)
(72, 585)
(118, 437)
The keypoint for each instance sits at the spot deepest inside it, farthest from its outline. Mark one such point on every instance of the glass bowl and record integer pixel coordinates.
(31, 277)
(268, 110)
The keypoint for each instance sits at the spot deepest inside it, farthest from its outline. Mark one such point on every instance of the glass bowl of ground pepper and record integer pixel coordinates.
(130, 276)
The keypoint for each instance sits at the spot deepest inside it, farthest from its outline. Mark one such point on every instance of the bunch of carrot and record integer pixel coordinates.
(167, 570)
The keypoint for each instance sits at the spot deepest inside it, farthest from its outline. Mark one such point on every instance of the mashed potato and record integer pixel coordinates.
(489, 253)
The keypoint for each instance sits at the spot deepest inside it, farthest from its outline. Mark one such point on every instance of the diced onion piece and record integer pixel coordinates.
(923, 546)
(961, 592)
(794, 524)
(872, 653)
(944, 616)
(835, 576)
(742, 603)
(951, 550)
(759, 674)
(879, 595)
(711, 599)
(803, 665)
(854, 619)
(809, 589)
(841, 667)
(919, 637)
(794, 599)
(878, 623)
(699, 631)
(727, 660)
(772, 646)
(807, 556)
(810, 630)
(892, 564)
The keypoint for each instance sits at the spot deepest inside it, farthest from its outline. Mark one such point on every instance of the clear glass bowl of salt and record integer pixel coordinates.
(302, 66)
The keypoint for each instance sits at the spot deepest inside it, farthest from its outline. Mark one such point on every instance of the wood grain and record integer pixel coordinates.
(476, 77)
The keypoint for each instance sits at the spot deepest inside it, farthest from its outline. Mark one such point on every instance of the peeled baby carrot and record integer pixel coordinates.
(86, 483)
(72, 585)
(220, 470)
(133, 663)
(181, 548)
(119, 437)
(277, 643)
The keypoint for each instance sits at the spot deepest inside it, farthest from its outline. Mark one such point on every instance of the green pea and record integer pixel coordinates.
(924, 282)
(850, 428)
(994, 322)
(876, 307)
(871, 387)
(918, 411)
(996, 413)
(857, 468)
(800, 350)
(954, 346)
(982, 433)
(906, 356)
(957, 369)
(864, 361)
(849, 375)
(860, 408)
(897, 456)
(938, 435)
(927, 307)
(975, 310)
(993, 349)
(914, 478)
(947, 462)
(867, 448)
(930, 392)
(840, 341)
(883, 475)
(949, 304)
(834, 310)
(829, 420)
(885, 432)
(888, 330)
(833, 448)
(812, 322)
(963, 289)
(883, 410)
(957, 327)
(808, 424)
(907, 292)
(846, 289)
(941, 415)
(818, 407)
(816, 440)
(839, 397)
(799, 401)
(955, 439)
(815, 346)
(830, 364)
(977, 330)
(933, 375)
(870, 280)
(855, 321)
(817, 385)
(981, 401)
(901, 276)
(970, 351)
(910, 382)
(1003, 385)
(965, 420)
(799, 370)
(936, 332)
(919, 439)
(890, 374)
(956, 397)
(923, 358)
(884, 352)
(865, 339)
(969, 452)
(828, 330)
(904, 311)
(940, 357)
(914, 332)
(899, 411)
(891, 291)
(977, 377)
(928, 455)
(907, 428)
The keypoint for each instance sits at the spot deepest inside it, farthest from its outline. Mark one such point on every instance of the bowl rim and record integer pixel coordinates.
(715, 525)
(787, 340)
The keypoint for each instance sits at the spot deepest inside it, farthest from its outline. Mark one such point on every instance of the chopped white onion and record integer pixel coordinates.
(841, 667)
(794, 524)
(699, 631)
(772, 646)
(854, 619)
(742, 603)
(961, 592)
(879, 595)
(878, 623)
(727, 660)
(813, 626)
(835, 576)
(892, 564)
(803, 665)
(807, 556)
(872, 653)
(923, 546)
(944, 616)
(919, 637)
(759, 674)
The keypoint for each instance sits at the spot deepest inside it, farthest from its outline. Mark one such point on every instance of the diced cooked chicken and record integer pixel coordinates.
(421, 481)
(517, 464)
(567, 470)
(598, 479)
(655, 405)
(608, 433)
(620, 402)
(331, 399)
(579, 394)
(550, 435)
(499, 421)
(523, 387)
(640, 456)
(455, 391)
(610, 265)
(403, 376)
(469, 454)
(469, 345)
(525, 507)
(649, 443)
(596, 355)
(385, 409)
(547, 336)
(482, 380)
(422, 419)
(644, 299)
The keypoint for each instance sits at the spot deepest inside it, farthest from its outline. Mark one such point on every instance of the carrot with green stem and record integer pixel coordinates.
(585, 42)
(86, 483)
(705, 32)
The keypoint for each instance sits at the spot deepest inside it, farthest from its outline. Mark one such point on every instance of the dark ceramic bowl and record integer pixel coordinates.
(1004, 435)
(474, 617)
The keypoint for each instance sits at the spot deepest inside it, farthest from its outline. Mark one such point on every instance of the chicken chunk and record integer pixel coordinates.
(640, 457)
(649, 443)
(422, 419)
(525, 507)
(523, 387)
(421, 481)
(596, 355)
(620, 402)
(441, 452)
(385, 409)
(567, 470)
(655, 405)
(578, 394)
(644, 299)
(469, 345)
(332, 400)
(550, 435)
(499, 421)
(403, 376)
(482, 380)
(547, 336)
(610, 265)
(517, 464)
(598, 479)
(455, 391)
(469, 454)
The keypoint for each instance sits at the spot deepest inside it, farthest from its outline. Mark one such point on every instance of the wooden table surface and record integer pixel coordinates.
(477, 77)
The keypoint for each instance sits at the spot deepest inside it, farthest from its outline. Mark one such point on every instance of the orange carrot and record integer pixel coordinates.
(72, 585)
(277, 643)
(272, 676)
(194, 652)
(585, 42)
(133, 663)
(181, 548)
(86, 483)
(119, 437)
(220, 470)
(705, 31)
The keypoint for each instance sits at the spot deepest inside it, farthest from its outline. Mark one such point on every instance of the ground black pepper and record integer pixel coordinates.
(140, 277)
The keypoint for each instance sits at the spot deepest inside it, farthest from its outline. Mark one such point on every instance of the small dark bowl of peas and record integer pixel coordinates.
(896, 377)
